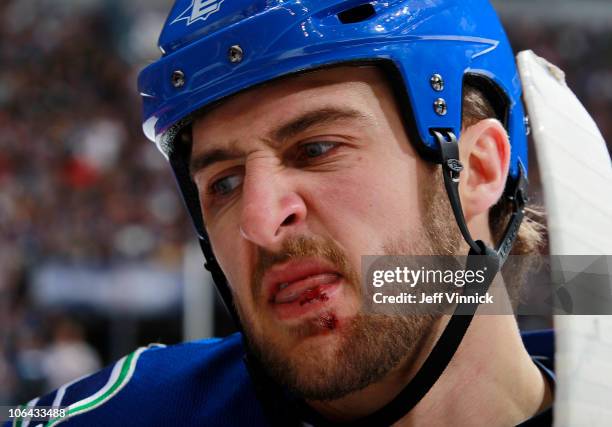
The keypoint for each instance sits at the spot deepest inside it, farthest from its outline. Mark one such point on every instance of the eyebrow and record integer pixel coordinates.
(208, 157)
(285, 131)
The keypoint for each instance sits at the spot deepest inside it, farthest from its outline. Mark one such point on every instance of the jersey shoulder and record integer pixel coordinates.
(540, 343)
(197, 383)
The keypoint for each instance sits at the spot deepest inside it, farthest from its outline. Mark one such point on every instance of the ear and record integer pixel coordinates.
(484, 150)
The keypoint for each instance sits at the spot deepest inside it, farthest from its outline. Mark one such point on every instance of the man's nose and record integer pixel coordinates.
(272, 208)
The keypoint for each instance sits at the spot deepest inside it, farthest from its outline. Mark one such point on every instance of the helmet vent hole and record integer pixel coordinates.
(357, 14)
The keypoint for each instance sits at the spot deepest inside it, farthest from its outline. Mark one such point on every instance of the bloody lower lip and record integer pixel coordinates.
(309, 301)
(303, 289)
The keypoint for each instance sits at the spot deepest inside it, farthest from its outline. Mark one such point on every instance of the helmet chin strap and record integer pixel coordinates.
(289, 411)
(451, 170)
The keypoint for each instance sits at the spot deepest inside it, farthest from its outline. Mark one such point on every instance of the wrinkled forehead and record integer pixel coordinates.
(264, 106)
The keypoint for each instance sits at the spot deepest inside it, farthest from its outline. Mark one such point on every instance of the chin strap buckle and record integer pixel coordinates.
(454, 168)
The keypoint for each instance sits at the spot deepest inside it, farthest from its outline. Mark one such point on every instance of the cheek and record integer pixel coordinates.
(370, 203)
(228, 247)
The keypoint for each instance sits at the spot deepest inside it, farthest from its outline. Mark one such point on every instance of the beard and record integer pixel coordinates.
(369, 345)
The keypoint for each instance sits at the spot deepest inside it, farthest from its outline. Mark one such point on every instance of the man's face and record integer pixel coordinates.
(297, 180)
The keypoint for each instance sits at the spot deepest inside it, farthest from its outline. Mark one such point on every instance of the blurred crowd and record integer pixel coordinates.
(79, 184)
(585, 54)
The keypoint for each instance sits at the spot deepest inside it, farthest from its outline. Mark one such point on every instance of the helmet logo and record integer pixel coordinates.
(199, 10)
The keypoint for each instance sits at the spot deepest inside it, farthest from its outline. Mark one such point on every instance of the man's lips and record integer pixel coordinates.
(298, 280)
(303, 289)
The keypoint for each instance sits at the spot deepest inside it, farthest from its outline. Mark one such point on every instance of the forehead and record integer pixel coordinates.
(361, 87)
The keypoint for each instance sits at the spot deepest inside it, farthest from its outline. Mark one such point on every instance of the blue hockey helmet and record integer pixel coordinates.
(213, 49)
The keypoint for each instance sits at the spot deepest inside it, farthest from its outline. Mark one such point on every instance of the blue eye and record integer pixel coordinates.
(226, 185)
(316, 149)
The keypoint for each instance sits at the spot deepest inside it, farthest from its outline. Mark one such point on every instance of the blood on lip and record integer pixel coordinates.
(313, 294)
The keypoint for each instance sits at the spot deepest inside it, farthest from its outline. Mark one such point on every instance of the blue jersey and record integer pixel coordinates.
(201, 383)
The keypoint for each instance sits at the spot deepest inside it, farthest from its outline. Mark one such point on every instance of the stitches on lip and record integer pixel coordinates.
(281, 277)
(311, 295)
(304, 289)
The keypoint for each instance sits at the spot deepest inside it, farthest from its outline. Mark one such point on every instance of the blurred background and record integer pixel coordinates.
(97, 256)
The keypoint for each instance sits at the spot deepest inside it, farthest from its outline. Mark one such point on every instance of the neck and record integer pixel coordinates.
(491, 380)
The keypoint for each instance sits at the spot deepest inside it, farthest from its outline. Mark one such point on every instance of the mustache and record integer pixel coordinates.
(302, 247)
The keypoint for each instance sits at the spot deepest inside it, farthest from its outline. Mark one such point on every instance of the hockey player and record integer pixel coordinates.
(305, 134)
